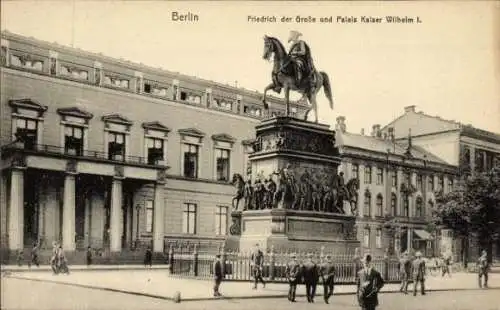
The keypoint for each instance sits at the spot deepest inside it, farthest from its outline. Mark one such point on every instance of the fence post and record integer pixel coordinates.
(171, 259)
(195, 260)
(224, 258)
(271, 264)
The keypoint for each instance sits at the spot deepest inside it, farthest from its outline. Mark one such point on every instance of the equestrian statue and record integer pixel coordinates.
(295, 71)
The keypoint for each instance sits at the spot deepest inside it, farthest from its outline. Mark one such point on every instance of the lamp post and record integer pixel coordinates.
(138, 209)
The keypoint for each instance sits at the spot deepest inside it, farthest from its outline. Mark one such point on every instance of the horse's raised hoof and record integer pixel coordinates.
(266, 106)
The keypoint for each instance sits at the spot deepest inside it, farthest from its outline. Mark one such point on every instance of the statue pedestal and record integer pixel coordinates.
(293, 205)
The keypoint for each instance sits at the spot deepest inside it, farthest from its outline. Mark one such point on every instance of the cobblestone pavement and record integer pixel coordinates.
(158, 283)
(27, 295)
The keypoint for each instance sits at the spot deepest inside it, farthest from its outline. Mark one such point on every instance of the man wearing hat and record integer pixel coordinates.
(292, 273)
(217, 271)
(327, 272)
(257, 264)
(483, 267)
(404, 266)
(311, 275)
(418, 273)
(300, 55)
(369, 283)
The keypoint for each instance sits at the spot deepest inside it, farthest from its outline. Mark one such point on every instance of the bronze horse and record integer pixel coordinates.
(284, 77)
(239, 183)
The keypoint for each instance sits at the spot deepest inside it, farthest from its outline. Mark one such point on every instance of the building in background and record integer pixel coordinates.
(398, 183)
(89, 142)
(468, 148)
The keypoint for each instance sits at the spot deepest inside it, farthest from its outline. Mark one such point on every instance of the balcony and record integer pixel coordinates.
(58, 151)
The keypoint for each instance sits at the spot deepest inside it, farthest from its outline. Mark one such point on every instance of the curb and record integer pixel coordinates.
(45, 269)
(282, 295)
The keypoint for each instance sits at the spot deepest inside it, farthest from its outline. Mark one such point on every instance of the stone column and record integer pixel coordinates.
(16, 209)
(409, 239)
(116, 201)
(68, 223)
(158, 217)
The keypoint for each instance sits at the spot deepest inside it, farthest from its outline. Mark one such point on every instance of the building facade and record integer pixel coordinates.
(398, 183)
(470, 149)
(110, 154)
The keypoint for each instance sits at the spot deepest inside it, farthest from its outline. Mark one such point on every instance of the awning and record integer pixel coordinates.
(422, 234)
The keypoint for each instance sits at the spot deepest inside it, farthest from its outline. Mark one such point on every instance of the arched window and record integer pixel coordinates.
(419, 210)
(380, 205)
(367, 205)
(406, 205)
(394, 206)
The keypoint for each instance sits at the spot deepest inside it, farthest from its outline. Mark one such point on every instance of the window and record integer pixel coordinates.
(116, 146)
(394, 178)
(367, 206)
(368, 175)
(441, 182)
(190, 160)
(189, 218)
(380, 176)
(420, 182)
(380, 205)
(155, 150)
(366, 238)
(222, 164)
(431, 183)
(355, 171)
(73, 140)
(419, 212)
(406, 206)
(378, 238)
(394, 206)
(149, 215)
(221, 220)
(26, 132)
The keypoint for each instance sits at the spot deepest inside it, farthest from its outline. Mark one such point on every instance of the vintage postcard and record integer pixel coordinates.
(250, 154)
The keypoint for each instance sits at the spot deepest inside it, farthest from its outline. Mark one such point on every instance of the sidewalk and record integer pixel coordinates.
(15, 268)
(158, 284)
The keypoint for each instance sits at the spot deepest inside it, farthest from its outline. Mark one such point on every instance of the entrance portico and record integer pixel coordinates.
(78, 202)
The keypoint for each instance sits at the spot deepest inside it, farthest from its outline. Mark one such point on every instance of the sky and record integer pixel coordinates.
(447, 65)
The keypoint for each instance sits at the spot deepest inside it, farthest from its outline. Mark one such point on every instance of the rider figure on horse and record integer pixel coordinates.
(300, 56)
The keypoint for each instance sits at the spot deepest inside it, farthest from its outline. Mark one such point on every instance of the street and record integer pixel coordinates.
(26, 294)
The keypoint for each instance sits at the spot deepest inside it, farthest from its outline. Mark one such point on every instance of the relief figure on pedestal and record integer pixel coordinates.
(248, 195)
(271, 192)
(240, 185)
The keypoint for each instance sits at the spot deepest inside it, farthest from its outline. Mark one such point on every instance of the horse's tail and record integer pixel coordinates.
(327, 88)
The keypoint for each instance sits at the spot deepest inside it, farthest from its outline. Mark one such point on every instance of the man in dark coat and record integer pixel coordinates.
(293, 275)
(148, 258)
(483, 267)
(418, 273)
(311, 275)
(327, 272)
(257, 264)
(404, 267)
(369, 284)
(217, 271)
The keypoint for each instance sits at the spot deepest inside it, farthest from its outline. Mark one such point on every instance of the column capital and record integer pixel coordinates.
(118, 178)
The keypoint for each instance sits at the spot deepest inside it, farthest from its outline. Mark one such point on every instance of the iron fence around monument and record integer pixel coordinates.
(237, 266)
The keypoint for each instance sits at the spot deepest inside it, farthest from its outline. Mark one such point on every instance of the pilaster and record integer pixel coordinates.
(16, 209)
(68, 223)
(116, 201)
(158, 217)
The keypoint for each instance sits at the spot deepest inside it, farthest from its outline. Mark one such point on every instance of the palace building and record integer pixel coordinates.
(468, 148)
(398, 182)
(111, 154)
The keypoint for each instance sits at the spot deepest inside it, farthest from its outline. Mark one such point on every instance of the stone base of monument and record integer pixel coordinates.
(302, 231)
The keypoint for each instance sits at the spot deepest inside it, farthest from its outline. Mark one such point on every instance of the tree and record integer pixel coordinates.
(472, 208)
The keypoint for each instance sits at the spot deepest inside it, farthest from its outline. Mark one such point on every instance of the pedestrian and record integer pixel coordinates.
(404, 267)
(89, 256)
(34, 256)
(148, 258)
(483, 268)
(327, 272)
(369, 283)
(257, 259)
(217, 271)
(311, 275)
(446, 264)
(53, 260)
(292, 273)
(62, 262)
(419, 273)
(20, 257)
